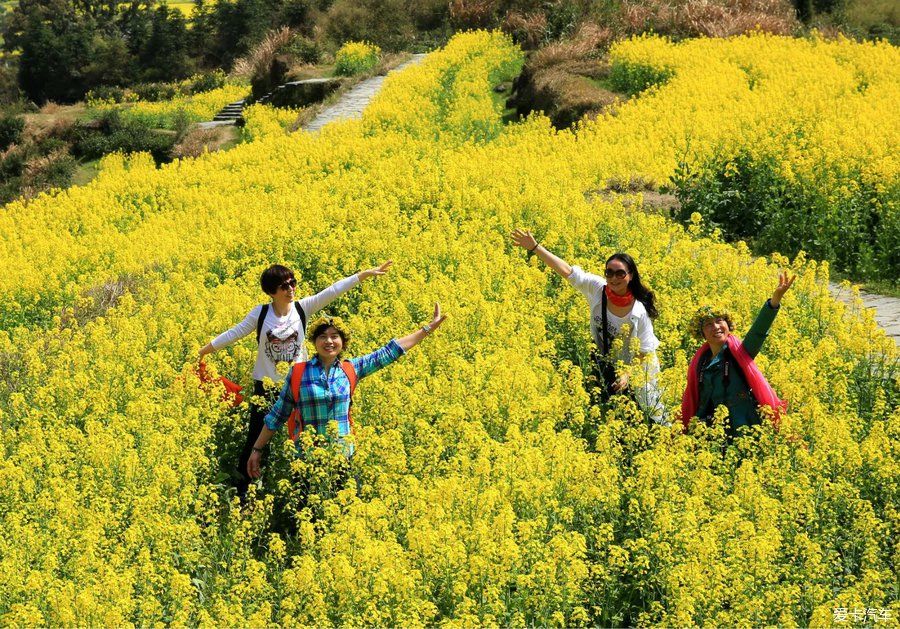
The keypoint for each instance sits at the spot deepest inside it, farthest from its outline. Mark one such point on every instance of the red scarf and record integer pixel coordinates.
(759, 386)
(622, 301)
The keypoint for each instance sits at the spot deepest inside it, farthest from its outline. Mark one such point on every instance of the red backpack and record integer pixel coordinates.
(295, 421)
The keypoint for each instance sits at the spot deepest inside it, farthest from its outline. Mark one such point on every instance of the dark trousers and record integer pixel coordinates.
(254, 427)
(604, 372)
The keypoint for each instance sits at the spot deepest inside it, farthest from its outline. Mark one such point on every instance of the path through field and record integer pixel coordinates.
(352, 104)
(887, 309)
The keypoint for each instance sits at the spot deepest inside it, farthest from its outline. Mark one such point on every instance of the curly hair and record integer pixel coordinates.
(704, 314)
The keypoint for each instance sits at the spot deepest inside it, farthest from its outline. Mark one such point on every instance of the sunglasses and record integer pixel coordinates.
(617, 273)
(291, 283)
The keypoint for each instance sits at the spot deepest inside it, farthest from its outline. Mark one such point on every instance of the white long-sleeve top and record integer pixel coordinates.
(281, 338)
(591, 286)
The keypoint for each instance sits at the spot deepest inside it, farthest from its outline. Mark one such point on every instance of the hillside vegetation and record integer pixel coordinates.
(486, 488)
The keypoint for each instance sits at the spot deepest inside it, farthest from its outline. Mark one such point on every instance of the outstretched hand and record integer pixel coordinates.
(438, 318)
(376, 271)
(524, 238)
(784, 283)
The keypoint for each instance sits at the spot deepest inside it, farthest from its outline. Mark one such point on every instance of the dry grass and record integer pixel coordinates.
(590, 40)
(259, 60)
(527, 29)
(709, 18)
(472, 14)
(562, 79)
(198, 141)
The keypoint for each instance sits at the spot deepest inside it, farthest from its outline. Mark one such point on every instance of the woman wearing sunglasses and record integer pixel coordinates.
(280, 328)
(620, 304)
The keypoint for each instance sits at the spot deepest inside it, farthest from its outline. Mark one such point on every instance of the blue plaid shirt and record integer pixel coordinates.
(325, 397)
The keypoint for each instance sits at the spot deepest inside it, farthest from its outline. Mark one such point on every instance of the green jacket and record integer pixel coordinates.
(733, 391)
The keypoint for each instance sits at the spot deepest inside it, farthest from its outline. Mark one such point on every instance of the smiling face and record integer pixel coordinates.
(617, 276)
(329, 344)
(716, 330)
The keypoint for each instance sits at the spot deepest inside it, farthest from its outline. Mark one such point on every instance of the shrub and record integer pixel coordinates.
(634, 78)
(305, 49)
(11, 127)
(154, 92)
(356, 58)
(204, 82)
(114, 133)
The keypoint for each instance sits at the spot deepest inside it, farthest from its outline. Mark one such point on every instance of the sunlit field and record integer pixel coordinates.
(486, 488)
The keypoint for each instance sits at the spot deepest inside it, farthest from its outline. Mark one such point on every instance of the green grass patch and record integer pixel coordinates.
(85, 172)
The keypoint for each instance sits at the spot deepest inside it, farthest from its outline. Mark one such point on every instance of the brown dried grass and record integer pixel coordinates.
(198, 141)
(528, 30)
(709, 18)
(473, 13)
(258, 61)
(590, 40)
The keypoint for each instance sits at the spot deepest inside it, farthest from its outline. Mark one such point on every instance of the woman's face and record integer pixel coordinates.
(329, 344)
(617, 276)
(715, 330)
(284, 294)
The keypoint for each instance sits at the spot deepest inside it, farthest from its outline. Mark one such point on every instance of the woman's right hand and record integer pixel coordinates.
(253, 464)
(523, 238)
(785, 282)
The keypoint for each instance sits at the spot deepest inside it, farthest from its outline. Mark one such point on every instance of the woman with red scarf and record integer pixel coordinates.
(621, 307)
(722, 372)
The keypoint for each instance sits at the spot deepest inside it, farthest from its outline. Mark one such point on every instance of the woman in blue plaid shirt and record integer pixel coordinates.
(325, 388)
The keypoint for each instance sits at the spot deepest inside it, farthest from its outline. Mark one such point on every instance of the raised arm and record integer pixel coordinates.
(524, 238)
(784, 284)
(414, 338)
(242, 329)
(312, 304)
(759, 331)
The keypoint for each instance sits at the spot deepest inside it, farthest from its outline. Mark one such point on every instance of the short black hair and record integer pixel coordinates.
(273, 277)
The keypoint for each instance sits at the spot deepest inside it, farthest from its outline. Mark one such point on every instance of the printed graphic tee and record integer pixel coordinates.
(282, 338)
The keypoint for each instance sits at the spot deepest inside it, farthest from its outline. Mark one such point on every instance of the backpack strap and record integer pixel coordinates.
(295, 421)
(259, 322)
(265, 310)
(350, 371)
(604, 333)
(302, 315)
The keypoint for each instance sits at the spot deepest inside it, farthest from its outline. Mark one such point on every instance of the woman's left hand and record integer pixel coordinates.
(621, 383)
(784, 283)
(373, 272)
(438, 318)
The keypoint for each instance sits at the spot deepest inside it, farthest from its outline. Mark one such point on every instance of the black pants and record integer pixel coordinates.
(604, 372)
(254, 427)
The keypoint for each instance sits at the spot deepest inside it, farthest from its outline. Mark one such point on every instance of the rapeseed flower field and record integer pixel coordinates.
(486, 488)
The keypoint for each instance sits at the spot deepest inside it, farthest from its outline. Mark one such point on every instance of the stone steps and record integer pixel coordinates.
(232, 112)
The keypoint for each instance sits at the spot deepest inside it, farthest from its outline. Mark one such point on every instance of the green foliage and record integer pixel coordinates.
(748, 198)
(304, 49)
(68, 48)
(634, 78)
(114, 133)
(11, 127)
(386, 23)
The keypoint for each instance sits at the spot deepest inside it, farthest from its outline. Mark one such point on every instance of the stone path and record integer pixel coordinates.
(352, 103)
(887, 309)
